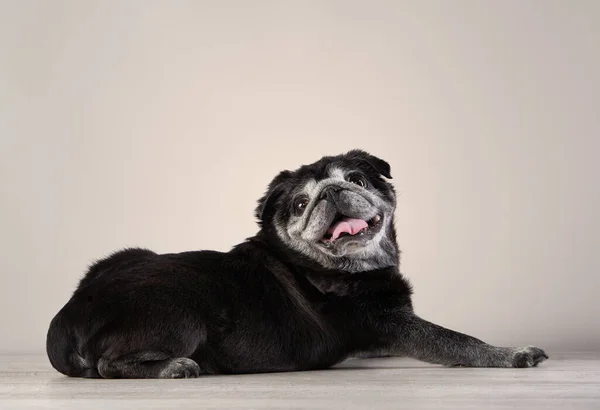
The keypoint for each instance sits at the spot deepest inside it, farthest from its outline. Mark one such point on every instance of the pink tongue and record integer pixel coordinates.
(348, 225)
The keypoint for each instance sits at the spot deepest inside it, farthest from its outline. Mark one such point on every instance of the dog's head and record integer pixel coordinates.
(338, 212)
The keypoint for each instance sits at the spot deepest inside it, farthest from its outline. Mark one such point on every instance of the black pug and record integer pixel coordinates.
(319, 283)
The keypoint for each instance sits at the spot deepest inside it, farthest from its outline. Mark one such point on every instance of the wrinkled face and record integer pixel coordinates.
(337, 212)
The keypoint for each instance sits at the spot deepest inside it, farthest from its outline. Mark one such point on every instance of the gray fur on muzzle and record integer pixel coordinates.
(339, 201)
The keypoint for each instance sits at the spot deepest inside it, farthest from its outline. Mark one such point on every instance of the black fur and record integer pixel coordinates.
(262, 307)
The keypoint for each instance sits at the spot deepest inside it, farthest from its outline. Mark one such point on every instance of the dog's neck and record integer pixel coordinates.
(288, 265)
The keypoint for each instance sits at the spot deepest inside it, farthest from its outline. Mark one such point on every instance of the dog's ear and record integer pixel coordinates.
(377, 164)
(275, 189)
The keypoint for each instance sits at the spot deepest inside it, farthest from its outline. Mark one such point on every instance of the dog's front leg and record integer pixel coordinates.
(423, 340)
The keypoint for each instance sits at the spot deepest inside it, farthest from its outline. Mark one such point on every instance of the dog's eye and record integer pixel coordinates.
(300, 205)
(358, 180)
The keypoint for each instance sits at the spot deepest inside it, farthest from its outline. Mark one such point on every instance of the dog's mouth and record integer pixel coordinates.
(344, 226)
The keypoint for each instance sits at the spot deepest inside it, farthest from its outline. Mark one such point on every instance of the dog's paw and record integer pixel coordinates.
(180, 368)
(529, 356)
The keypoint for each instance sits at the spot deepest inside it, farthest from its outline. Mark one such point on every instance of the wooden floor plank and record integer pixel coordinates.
(566, 381)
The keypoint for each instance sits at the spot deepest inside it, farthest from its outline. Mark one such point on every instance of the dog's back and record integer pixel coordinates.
(117, 259)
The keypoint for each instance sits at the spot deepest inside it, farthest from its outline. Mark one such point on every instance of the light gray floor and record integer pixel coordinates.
(566, 381)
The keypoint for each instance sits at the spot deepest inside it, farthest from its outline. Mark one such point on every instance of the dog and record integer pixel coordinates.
(318, 284)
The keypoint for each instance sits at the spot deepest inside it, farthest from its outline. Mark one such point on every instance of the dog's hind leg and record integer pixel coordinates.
(148, 365)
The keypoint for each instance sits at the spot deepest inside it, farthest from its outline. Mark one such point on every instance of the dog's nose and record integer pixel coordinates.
(330, 192)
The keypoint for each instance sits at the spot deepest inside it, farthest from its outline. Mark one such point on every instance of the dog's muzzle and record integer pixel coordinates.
(342, 213)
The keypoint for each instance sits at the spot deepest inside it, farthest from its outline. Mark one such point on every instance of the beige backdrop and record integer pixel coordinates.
(159, 123)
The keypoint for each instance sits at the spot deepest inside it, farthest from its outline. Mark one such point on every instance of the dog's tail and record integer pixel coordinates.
(61, 347)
